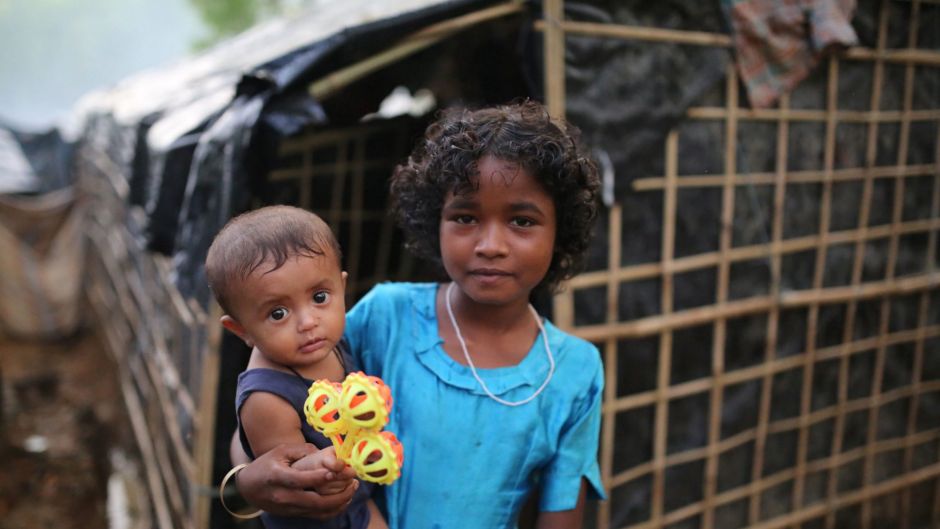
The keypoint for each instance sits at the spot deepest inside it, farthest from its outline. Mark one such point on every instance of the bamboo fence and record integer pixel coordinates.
(864, 476)
(840, 466)
(163, 345)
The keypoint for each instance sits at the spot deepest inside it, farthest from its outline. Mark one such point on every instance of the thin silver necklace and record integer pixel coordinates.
(473, 369)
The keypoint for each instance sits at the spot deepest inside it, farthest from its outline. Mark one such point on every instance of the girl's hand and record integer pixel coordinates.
(270, 483)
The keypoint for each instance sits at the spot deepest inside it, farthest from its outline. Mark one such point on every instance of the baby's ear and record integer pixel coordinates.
(236, 328)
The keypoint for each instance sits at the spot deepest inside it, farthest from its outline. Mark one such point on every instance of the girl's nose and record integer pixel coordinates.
(492, 241)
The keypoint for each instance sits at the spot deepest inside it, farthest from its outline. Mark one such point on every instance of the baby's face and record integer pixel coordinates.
(295, 314)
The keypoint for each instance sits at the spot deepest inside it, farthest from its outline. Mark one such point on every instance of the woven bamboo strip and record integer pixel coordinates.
(770, 481)
(819, 273)
(296, 173)
(721, 296)
(811, 177)
(759, 251)
(165, 465)
(778, 365)
(844, 500)
(340, 176)
(355, 225)
(305, 179)
(924, 298)
(331, 84)
(107, 168)
(932, 250)
(886, 306)
(870, 158)
(843, 116)
(611, 368)
(697, 316)
(700, 38)
(136, 414)
(649, 34)
(905, 56)
(661, 421)
(169, 417)
(206, 431)
(554, 45)
(383, 265)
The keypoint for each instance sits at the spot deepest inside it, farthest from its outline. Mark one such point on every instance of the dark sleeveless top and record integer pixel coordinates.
(293, 388)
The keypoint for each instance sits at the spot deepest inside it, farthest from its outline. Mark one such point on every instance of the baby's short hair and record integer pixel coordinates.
(270, 233)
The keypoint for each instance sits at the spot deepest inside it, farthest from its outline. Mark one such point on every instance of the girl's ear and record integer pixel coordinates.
(236, 328)
(345, 275)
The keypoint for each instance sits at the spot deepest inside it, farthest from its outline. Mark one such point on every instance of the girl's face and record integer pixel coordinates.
(497, 241)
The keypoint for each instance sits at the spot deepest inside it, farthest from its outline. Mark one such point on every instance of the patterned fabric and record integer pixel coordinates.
(778, 42)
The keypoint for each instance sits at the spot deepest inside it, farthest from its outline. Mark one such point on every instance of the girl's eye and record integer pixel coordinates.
(463, 219)
(321, 297)
(278, 314)
(522, 222)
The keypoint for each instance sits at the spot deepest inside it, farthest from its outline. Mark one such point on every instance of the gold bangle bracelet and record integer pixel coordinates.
(230, 474)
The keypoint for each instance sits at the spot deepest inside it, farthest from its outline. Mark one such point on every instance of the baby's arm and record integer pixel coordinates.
(564, 519)
(270, 421)
(376, 520)
(325, 459)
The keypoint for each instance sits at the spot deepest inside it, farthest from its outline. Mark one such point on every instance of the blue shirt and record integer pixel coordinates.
(471, 462)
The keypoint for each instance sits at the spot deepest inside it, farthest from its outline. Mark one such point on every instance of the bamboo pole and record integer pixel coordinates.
(837, 175)
(870, 154)
(652, 325)
(896, 220)
(206, 423)
(331, 84)
(611, 366)
(721, 297)
(661, 421)
(554, 46)
(818, 276)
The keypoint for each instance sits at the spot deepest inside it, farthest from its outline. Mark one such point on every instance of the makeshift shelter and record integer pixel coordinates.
(763, 285)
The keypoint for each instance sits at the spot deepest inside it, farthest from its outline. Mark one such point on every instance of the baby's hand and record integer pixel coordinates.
(339, 476)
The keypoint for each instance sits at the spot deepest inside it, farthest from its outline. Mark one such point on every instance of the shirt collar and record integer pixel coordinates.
(531, 371)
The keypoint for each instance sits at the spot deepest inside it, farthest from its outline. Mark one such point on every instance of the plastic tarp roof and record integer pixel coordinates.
(183, 134)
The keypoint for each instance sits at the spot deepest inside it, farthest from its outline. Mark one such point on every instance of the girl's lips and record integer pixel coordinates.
(489, 272)
(489, 276)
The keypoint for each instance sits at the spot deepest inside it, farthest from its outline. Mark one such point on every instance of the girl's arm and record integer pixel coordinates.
(270, 483)
(564, 519)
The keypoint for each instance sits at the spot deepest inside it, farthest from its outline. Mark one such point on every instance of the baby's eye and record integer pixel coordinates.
(278, 314)
(522, 222)
(321, 297)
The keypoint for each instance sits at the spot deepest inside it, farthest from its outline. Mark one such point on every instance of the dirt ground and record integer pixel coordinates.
(62, 425)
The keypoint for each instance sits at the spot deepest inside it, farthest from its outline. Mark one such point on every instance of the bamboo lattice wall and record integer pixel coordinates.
(342, 174)
(163, 345)
(847, 451)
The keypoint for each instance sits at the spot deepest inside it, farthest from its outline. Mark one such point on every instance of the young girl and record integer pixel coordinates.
(492, 403)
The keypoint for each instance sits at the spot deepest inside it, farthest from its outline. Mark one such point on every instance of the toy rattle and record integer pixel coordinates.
(352, 415)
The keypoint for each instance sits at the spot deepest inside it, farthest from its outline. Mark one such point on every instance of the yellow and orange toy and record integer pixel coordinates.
(352, 415)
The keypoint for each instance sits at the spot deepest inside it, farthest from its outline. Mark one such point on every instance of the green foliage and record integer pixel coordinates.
(225, 18)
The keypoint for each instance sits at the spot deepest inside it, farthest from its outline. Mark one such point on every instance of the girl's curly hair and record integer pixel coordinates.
(445, 160)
